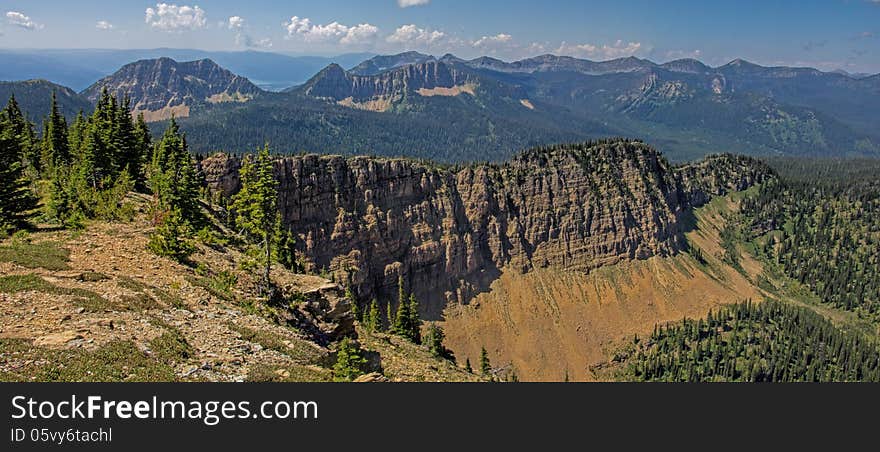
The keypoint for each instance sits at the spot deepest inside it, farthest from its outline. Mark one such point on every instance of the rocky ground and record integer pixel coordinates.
(96, 305)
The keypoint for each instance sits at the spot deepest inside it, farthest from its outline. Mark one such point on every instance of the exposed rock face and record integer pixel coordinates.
(164, 86)
(325, 314)
(382, 63)
(449, 232)
(336, 84)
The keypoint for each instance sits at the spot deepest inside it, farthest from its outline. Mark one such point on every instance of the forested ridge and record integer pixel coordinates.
(820, 222)
(748, 342)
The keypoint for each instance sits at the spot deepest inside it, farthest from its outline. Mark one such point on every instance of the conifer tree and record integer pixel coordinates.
(171, 237)
(127, 143)
(435, 338)
(143, 140)
(415, 322)
(61, 202)
(286, 248)
(56, 144)
(485, 365)
(349, 361)
(373, 322)
(17, 202)
(389, 315)
(467, 366)
(256, 208)
(173, 178)
(75, 134)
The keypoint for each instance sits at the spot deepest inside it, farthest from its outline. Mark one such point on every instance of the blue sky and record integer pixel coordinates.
(827, 34)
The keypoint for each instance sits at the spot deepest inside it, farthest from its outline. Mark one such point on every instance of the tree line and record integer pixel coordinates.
(73, 173)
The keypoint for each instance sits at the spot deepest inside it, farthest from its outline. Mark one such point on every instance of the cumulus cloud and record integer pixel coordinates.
(408, 3)
(235, 23)
(332, 33)
(20, 20)
(413, 36)
(247, 41)
(500, 38)
(680, 54)
(619, 49)
(167, 17)
(104, 25)
(238, 25)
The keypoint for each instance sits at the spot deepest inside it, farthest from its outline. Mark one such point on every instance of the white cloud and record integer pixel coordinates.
(408, 3)
(235, 23)
(486, 41)
(20, 20)
(695, 54)
(500, 45)
(331, 33)
(167, 17)
(413, 36)
(245, 40)
(104, 25)
(617, 50)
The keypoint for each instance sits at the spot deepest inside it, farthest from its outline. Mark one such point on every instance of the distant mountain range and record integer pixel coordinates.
(79, 68)
(451, 109)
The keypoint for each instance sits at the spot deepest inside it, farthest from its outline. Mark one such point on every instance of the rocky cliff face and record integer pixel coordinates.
(336, 84)
(448, 232)
(162, 87)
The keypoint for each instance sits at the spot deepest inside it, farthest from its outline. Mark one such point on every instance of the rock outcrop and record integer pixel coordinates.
(162, 87)
(448, 232)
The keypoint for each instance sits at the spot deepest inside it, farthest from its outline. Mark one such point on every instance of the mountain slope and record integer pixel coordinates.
(752, 109)
(163, 87)
(493, 107)
(96, 305)
(34, 97)
(383, 63)
(408, 85)
(449, 232)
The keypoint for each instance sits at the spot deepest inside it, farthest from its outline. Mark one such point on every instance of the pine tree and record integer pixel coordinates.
(355, 309)
(17, 201)
(129, 151)
(172, 176)
(171, 237)
(144, 144)
(286, 249)
(75, 134)
(402, 326)
(415, 322)
(435, 338)
(61, 202)
(349, 361)
(485, 365)
(467, 366)
(56, 142)
(256, 208)
(389, 316)
(373, 322)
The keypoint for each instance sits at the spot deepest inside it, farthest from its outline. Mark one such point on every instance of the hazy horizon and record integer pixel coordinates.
(830, 35)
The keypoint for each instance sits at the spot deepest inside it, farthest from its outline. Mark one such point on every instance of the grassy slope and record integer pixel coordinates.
(95, 305)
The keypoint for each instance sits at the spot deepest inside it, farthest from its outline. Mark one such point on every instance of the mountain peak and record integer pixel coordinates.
(163, 87)
(384, 63)
(688, 65)
(741, 63)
